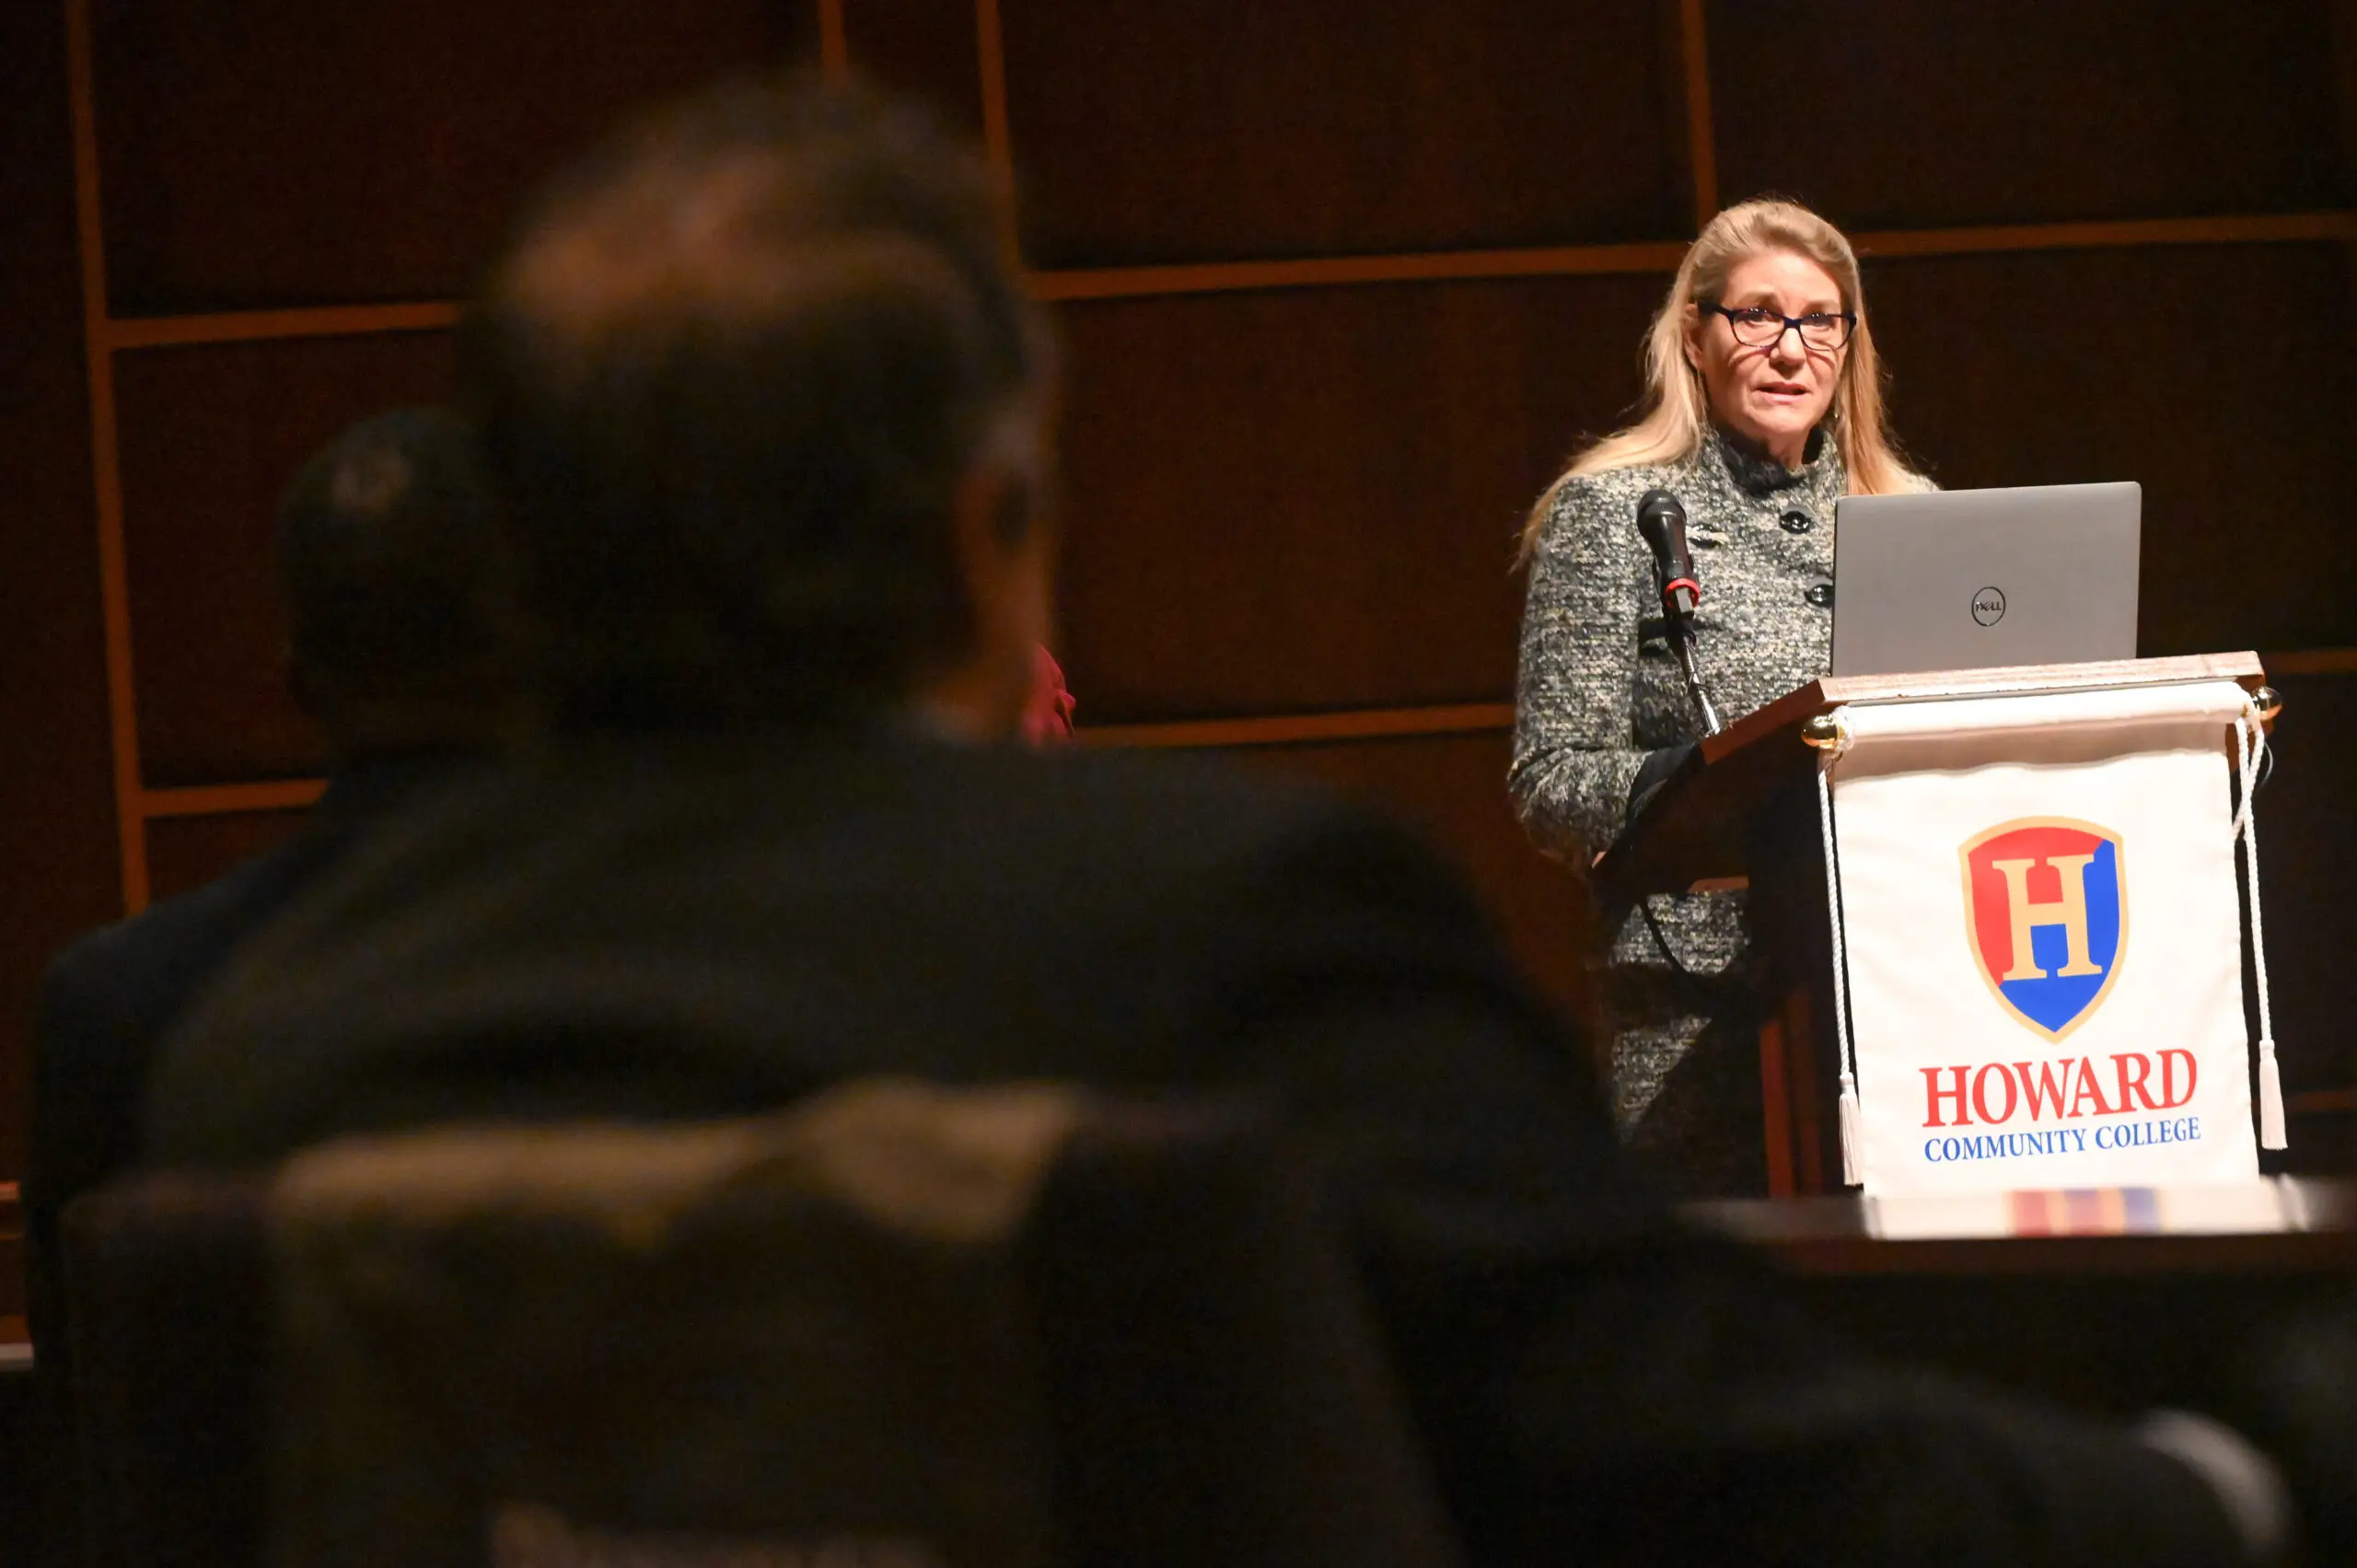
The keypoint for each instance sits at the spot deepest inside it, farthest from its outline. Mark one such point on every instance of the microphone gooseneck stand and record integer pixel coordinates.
(1681, 638)
(1663, 522)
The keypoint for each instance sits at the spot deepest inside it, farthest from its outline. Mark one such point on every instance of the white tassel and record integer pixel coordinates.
(1850, 1130)
(2270, 1098)
(1850, 1176)
(2251, 750)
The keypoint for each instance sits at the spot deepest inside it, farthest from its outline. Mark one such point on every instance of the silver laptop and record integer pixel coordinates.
(1967, 579)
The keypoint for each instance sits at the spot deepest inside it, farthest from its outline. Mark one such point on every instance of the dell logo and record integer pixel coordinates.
(1988, 606)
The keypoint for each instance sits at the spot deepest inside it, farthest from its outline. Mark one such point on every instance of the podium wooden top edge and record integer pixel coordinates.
(1694, 830)
(1830, 692)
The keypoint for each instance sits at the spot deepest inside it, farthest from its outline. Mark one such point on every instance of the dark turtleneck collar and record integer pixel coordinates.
(1757, 473)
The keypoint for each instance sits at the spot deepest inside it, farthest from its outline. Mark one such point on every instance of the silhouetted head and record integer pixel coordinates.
(763, 401)
(388, 557)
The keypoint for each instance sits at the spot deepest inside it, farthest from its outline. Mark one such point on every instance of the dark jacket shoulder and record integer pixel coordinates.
(110, 1000)
(709, 926)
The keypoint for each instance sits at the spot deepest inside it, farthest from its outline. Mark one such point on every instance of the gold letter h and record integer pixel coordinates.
(2069, 913)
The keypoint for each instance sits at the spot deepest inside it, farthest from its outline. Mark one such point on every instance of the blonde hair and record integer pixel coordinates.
(1677, 406)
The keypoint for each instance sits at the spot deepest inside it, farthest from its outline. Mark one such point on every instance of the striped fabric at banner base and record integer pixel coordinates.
(2085, 1211)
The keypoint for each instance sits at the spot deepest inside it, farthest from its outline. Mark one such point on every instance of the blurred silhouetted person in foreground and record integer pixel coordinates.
(386, 565)
(764, 404)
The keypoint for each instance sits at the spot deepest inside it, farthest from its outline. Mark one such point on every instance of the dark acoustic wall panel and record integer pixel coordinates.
(1452, 790)
(2344, 40)
(2304, 843)
(1215, 130)
(926, 47)
(261, 153)
(1976, 111)
(58, 870)
(1309, 499)
(185, 852)
(211, 436)
(2217, 377)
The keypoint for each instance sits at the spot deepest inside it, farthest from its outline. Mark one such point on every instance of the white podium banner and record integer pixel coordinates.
(2045, 941)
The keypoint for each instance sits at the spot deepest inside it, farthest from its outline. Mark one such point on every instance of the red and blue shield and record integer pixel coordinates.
(2046, 907)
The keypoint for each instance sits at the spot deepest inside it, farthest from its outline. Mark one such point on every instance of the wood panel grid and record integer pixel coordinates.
(107, 335)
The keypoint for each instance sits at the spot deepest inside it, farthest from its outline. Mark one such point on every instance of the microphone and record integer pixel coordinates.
(1663, 522)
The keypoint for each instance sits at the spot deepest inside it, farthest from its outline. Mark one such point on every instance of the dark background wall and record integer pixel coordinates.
(1343, 283)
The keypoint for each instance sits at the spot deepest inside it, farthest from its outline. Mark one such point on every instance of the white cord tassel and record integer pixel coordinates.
(2250, 749)
(1848, 1131)
(1848, 1110)
(2270, 1098)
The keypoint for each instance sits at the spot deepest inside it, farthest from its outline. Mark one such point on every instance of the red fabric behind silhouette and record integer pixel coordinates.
(1047, 718)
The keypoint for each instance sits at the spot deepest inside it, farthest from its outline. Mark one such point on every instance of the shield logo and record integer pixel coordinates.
(2046, 907)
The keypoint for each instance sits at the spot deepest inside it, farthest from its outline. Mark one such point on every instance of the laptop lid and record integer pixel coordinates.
(1968, 579)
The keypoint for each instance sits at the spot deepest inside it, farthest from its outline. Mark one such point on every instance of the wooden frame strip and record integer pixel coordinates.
(114, 589)
(1283, 729)
(1291, 729)
(834, 47)
(1276, 730)
(249, 326)
(998, 139)
(1701, 134)
(1288, 729)
(1211, 277)
(1435, 266)
(213, 800)
(1776, 1106)
(2256, 228)
(1217, 277)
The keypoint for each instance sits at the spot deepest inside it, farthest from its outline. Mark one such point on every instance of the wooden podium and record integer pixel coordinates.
(1742, 813)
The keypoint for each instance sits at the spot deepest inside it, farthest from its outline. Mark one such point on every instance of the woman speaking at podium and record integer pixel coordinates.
(1762, 406)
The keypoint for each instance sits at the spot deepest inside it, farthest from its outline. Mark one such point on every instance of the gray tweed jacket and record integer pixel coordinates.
(1599, 687)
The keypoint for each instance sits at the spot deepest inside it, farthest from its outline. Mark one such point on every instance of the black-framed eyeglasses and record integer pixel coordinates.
(1756, 327)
